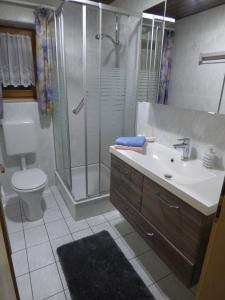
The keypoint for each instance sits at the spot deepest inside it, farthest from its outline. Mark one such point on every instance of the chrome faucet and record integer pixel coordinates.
(185, 146)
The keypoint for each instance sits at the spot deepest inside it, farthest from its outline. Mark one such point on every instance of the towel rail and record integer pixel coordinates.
(78, 108)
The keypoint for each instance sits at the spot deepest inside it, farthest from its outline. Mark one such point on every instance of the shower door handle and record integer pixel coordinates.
(78, 108)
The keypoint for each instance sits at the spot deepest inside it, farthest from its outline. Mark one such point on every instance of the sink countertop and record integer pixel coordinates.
(200, 190)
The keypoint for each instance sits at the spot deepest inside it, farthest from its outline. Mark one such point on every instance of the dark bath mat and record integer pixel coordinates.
(96, 269)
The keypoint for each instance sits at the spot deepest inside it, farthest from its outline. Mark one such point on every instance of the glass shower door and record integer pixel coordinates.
(60, 116)
(92, 33)
(119, 48)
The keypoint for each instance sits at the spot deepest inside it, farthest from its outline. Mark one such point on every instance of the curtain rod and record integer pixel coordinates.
(26, 4)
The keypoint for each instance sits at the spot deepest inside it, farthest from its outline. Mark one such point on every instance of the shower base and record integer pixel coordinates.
(86, 207)
(79, 181)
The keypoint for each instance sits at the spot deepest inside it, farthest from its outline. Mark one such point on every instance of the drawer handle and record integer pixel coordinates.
(166, 203)
(150, 234)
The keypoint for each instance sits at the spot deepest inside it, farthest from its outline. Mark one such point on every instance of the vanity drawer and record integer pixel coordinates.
(184, 226)
(126, 181)
(170, 254)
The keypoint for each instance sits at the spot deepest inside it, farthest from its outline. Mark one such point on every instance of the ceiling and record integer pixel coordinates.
(179, 9)
(55, 3)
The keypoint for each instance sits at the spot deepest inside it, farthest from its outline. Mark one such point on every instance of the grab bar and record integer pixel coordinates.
(78, 108)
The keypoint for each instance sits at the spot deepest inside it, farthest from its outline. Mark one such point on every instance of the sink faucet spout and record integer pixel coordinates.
(185, 146)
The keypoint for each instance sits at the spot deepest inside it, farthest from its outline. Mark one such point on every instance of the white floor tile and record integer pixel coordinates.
(124, 247)
(106, 226)
(54, 189)
(62, 276)
(57, 196)
(93, 221)
(40, 256)
(76, 225)
(49, 201)
(150, 267)
(136, 243)
(12, 208)
(68, 297)
(24, 287)
(30, 224)
(81, 234)
(60, 296)
(112, 215)
(52, 214)
(20, 263)
(57, 229)
(46, 282)
(36, 235)
(158, 293)
(17, 241)
(14, 224)
(65, 211)
(121, 226)
(171, 288)
(59, 242)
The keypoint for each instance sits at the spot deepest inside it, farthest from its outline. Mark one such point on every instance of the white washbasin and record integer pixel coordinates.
(182, 172)
(198, 186)
(167, 161)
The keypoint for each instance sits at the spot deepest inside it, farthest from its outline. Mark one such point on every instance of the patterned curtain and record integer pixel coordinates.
(166, 65)
(44, 89)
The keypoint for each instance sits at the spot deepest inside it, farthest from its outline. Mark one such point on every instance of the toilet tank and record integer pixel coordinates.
(20, 136)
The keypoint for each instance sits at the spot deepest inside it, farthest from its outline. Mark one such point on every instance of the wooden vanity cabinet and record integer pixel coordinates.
(175, 230)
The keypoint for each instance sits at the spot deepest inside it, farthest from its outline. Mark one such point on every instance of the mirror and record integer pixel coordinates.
(150, 55)
(192, 69)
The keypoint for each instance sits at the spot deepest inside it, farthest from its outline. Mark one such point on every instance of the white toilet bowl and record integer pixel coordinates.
(29, 184)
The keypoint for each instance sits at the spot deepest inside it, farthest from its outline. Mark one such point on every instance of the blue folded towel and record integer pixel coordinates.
(131, 141)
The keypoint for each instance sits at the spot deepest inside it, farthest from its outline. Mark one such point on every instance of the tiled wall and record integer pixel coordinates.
(44, 157)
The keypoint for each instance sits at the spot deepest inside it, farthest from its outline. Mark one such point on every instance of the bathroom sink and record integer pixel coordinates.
(167, 163)
(188, 180)
(182, 172)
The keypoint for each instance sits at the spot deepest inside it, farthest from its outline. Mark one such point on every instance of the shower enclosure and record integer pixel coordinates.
(95, 69)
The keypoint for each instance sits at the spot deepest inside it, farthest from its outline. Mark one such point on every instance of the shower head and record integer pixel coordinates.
(105, 35)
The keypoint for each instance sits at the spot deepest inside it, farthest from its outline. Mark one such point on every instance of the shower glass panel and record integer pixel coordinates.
(60, 116)
(96, 92)
(92, 108)
(113, 87)
(74, 53)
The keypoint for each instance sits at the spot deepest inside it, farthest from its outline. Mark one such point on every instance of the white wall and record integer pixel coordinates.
(16, 14)
(168, 123)
(44, 157)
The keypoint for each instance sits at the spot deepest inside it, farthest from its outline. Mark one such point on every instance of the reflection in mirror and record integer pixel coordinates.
(193, 69)
(151, 41)
(150, 56)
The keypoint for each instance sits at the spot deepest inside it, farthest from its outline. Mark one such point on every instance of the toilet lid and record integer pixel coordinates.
(29, 179)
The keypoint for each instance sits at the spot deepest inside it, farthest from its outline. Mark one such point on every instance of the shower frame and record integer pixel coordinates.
(66, 187)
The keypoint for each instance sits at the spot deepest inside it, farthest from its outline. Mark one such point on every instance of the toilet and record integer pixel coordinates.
(29, 183)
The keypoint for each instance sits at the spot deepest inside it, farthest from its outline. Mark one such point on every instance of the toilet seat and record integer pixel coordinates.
(29, 179)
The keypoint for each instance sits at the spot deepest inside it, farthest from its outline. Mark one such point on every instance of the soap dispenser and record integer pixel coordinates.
(209, 157)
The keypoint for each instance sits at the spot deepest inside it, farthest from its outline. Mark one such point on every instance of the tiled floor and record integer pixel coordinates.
(37, 268)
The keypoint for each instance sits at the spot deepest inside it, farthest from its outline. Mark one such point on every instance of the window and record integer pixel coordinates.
(27, 92)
